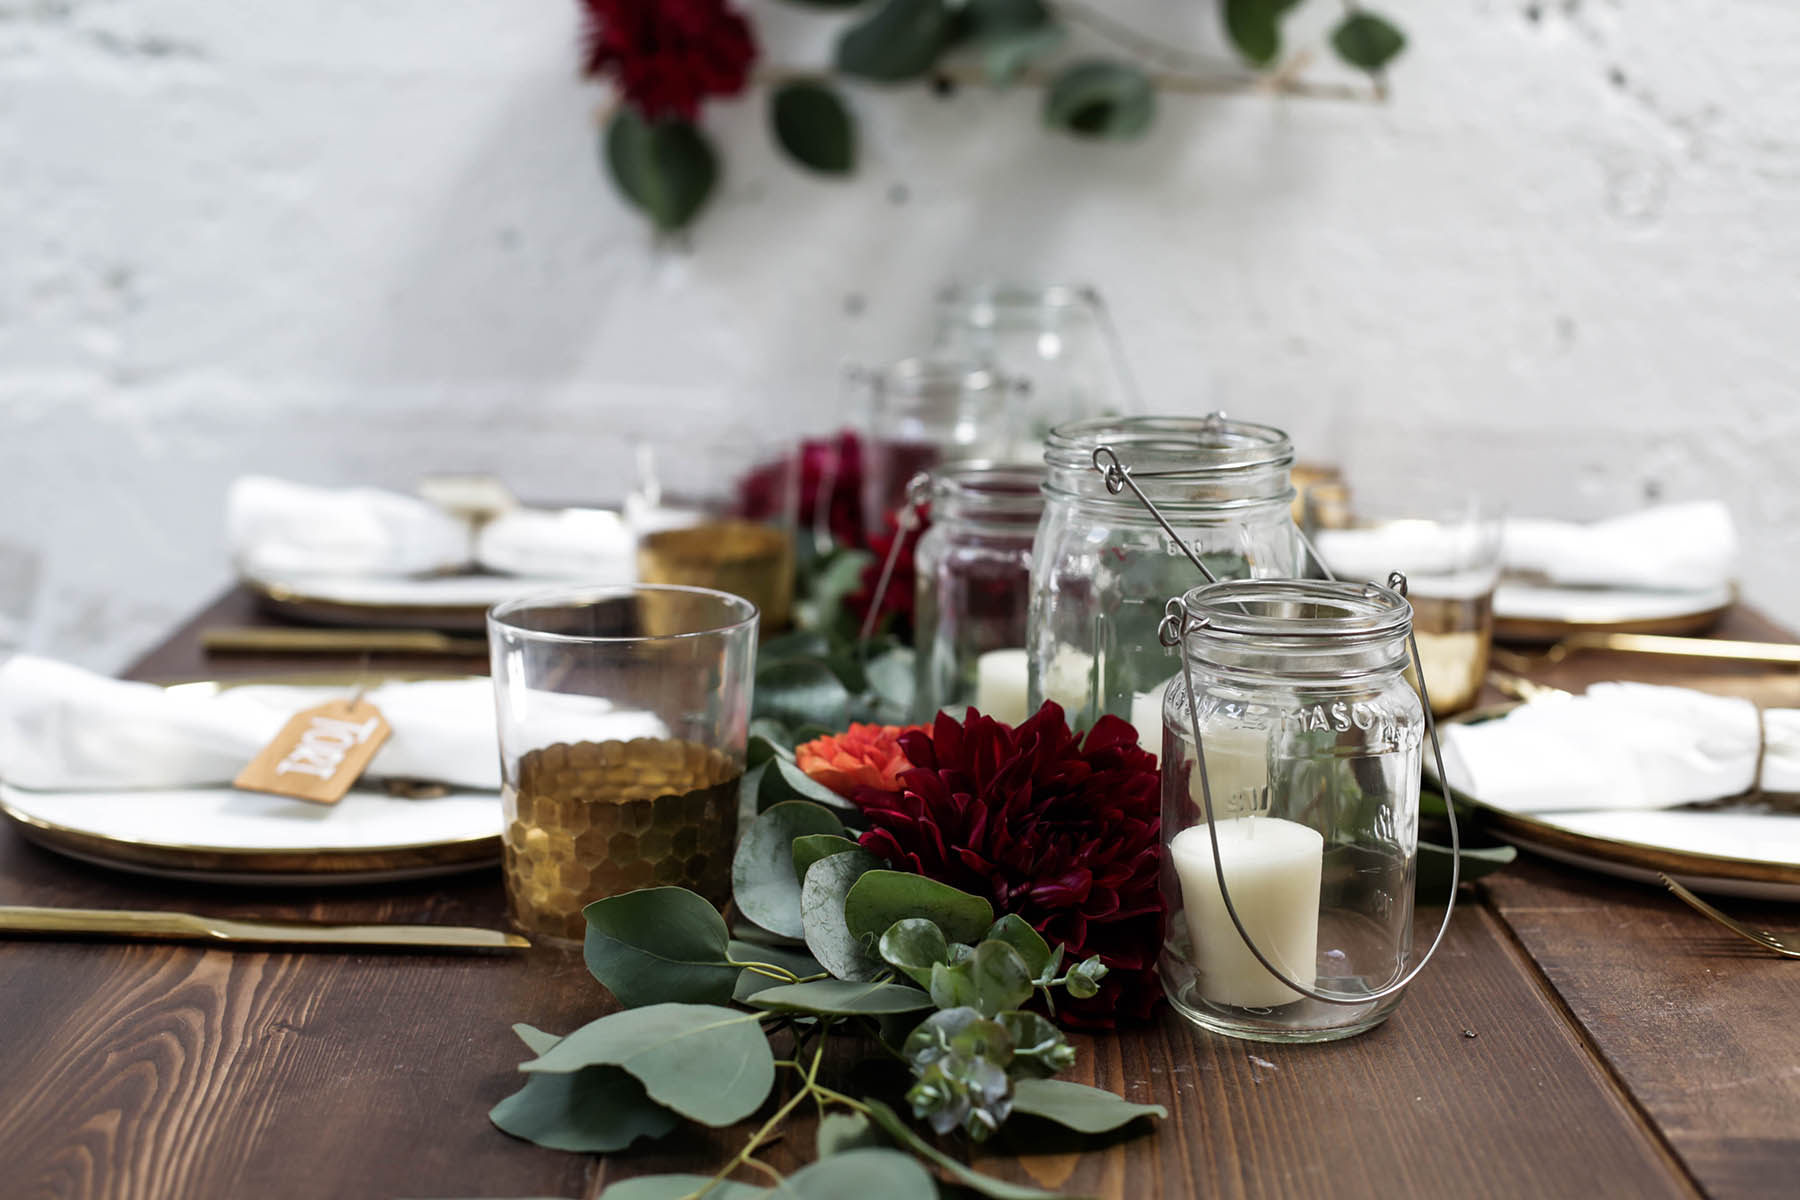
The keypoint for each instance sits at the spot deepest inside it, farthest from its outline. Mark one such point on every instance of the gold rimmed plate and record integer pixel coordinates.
(454, 603)
(224, 835)
(1742, 847)
(1525, 612)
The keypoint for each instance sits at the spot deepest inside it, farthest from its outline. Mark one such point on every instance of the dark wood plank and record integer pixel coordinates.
(1696, 1025)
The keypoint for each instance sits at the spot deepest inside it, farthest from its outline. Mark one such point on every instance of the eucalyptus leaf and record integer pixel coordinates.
(1004, 56)
(828, 881)
(841, 998)
(1365, 40)
(802, 691)
(1098, 99)
(1254, 27)
(864, 1174)
(768, 739)
(659, 944)
(839, 1132)
(666, 167)
(708, 1063)
(813, 126)
(892, 682)
(595, 1110)
(1433, 886)
(1039, 1048)
(785, 781)
(814, 846)
(1017, 932)
(1000, 976)
(762, 871)
(953, 986)
(914, 946)
(996, 1189)
(535, 1039)
(1079, 1107)
(900, 40)
(1083, 979)
(674, 1187)
(988, 17)
(881, 898)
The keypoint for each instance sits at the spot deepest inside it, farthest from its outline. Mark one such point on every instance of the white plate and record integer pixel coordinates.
(224, 834)
(1534, 612)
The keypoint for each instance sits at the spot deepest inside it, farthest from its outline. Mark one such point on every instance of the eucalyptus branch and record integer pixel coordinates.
(1143, 45)
(744, 1156)
(1216, 83)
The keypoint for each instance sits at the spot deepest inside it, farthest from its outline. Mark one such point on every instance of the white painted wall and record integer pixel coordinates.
(353, 240)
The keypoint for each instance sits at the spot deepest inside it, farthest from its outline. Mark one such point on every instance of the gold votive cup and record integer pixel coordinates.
(746, 558)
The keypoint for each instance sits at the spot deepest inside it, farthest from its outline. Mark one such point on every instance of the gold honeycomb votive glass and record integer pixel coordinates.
(623, 715)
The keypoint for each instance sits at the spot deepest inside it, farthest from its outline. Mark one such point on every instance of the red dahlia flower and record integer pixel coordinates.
(1061, 830)
(830, 488)
(668, 55)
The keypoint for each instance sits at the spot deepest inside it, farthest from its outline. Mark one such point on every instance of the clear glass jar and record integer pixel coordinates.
(1058, 340)
(922, 412)
(1102, 568)
(1313, 740)
(972, 584)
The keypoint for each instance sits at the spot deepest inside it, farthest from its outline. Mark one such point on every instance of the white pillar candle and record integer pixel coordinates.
(1069, 681)
(1002, 684)
(1273, 868)
(1147, 715)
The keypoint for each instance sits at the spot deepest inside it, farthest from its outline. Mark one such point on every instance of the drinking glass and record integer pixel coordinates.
(1447, 543)
(623, 717)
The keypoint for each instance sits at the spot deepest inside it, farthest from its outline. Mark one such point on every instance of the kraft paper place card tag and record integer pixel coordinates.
(319, 753)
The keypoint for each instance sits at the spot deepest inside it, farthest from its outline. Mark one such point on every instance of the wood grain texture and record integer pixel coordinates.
(164, 1071)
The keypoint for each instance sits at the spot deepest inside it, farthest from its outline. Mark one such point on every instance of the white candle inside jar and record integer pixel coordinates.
(1069, 681)
(1147, 716)
(1274, 869)
(1003, 685)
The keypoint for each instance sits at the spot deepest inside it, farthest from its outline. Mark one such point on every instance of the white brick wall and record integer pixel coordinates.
(350, 240)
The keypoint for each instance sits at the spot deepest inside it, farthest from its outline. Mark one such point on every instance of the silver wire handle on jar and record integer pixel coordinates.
(906, 521)
(1176, 624)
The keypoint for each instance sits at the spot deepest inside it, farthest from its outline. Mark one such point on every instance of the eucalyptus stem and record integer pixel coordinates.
(769, 971)
(745, 1156)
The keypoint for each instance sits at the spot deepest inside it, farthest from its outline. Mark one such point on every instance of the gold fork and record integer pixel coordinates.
(1767, 941)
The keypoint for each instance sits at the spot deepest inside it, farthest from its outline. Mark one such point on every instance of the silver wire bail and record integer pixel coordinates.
(1112, 470)
(1397, 582)
(918, 492)
(1174, 625)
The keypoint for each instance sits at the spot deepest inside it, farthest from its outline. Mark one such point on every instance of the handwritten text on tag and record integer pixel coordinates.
(319, 753)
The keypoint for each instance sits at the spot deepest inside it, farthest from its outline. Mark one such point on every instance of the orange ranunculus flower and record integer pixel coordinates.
(861, 756)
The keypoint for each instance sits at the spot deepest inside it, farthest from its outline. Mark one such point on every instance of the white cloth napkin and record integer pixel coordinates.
(593, 545)
(1679, 547)
(279, 529)
(1623, 746)
(1442, 560)
(66, 729)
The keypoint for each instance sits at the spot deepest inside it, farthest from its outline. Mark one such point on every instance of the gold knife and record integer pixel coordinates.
(156, 925)
(256, 640)
(1686, 647)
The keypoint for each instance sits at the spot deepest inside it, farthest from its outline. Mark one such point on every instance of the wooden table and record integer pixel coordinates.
(1577, 1037)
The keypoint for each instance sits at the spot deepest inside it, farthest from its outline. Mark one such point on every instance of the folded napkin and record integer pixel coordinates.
(279, 529)
(1624, 746)
(1679, 547)
(66, 729)
(593, 545)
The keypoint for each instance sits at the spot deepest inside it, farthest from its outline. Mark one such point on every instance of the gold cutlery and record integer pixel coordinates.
(1685, 647)
(156, 925)
(1766, 940)
(253, 640)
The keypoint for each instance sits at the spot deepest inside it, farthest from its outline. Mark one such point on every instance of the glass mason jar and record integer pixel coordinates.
(1058, 340)
(922, 412)
(1312, 740)
(1102, 567)
(973, 578)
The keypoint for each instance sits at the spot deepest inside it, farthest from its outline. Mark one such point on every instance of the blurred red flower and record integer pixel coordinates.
(1064, 831)
(668, 55)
